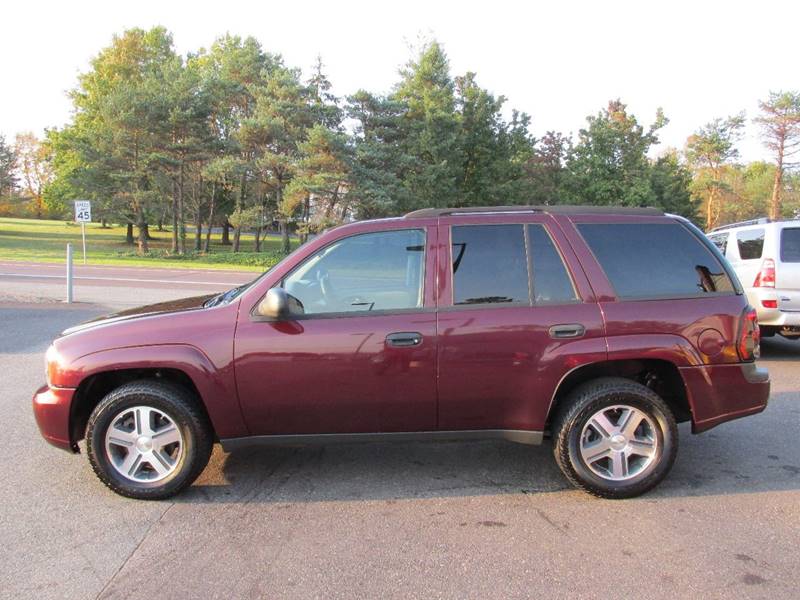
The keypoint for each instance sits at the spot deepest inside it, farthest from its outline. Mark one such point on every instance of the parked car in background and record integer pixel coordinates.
(766, 256)
(601, 328)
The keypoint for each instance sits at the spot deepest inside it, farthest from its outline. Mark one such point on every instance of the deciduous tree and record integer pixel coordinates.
(708, 151)
(33, 162)
(609, 164)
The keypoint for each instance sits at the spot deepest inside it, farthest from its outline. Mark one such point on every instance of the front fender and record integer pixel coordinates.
(215, 383)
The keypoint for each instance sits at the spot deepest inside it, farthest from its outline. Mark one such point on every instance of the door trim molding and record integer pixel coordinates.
(520, 436)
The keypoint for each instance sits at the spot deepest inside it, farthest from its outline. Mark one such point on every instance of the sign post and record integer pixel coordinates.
(69, 273)
(83, 215)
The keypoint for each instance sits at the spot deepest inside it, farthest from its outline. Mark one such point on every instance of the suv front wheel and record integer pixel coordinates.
(148, 439)
(615, 438)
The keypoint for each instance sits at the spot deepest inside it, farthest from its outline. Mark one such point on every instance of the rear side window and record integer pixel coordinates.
(751, 243)
(551, 282)
(655, 260)
(489, 264)
(720, 240)
(790, 245)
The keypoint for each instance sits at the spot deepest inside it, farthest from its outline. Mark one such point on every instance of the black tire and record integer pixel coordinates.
(181, 406)
(584, 402)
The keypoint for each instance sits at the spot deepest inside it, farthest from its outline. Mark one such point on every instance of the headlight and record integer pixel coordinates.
(52, 363)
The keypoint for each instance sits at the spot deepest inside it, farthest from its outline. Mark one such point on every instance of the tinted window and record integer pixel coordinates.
(489, 264)
(551, 282)
(655, 260)
(751, 243)
(790, 245)
(372, 271)
(720, 240)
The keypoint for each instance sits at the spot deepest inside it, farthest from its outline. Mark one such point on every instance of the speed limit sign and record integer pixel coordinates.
(83, 215)
(83, 211)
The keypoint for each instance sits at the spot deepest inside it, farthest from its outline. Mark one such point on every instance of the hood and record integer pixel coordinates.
(171, 306)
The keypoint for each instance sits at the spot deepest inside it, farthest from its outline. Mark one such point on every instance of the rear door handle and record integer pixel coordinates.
(404, 339)
(571, 330)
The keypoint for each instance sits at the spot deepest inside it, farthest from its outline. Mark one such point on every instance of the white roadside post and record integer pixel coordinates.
(69, 273)
(83, 215)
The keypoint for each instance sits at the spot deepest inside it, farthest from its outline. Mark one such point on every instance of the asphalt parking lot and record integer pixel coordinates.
(436, 520)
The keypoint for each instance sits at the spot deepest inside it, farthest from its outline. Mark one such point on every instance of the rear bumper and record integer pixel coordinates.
(774, 317)
(51, 407)
(720, 393)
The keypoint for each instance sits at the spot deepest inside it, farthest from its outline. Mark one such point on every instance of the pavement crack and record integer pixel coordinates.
(125, 562)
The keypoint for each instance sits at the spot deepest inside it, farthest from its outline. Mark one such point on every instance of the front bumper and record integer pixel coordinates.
(51, 407)
(720, 393)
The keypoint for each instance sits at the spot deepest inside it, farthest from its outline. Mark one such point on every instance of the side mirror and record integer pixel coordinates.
(279, 304)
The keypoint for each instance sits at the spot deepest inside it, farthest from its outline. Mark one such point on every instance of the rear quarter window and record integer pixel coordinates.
(790, 245)
(655, 260)
(751, 243)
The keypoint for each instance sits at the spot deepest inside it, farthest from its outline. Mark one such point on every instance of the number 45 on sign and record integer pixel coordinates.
(83, 215)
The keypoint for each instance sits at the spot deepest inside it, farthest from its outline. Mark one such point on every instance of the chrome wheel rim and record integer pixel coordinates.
(144, 444)
(619, 442)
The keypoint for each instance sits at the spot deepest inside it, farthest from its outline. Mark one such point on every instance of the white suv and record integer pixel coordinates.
(766, 256)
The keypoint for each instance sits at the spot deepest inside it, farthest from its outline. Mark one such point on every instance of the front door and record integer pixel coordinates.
(362, 357)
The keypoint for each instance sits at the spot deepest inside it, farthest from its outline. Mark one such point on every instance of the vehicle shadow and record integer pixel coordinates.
(779, 348)
(752, 455)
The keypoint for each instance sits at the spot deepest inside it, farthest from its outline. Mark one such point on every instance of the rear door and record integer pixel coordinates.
(787, 272)
(514, 316)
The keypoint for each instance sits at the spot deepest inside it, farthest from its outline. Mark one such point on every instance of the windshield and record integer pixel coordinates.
(232, 294)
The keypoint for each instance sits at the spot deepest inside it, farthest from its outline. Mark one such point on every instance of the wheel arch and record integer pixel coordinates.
(96, 374)
(95, 387)
(662, 376)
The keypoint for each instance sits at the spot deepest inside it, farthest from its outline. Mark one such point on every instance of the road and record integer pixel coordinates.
(445, 520)
(119, 286)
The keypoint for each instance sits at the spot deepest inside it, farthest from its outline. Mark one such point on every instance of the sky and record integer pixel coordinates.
(559, 61)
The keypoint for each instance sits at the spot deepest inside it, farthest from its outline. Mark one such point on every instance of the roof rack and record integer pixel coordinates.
(557, 209)
(761, 221)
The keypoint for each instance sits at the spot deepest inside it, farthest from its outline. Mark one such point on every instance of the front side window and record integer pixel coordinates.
(720, 240)
(790, 245)
(751, 243)
(489, 265)
(366, 272)
(655, 260)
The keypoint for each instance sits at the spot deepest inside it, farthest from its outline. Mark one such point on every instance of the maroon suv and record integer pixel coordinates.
(601, 328)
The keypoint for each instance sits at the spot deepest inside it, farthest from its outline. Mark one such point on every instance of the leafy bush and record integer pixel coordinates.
(246, 259)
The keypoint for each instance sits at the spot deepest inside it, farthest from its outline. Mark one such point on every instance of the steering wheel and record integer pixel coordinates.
(329, 296)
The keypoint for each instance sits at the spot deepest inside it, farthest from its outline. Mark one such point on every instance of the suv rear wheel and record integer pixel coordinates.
(615, 438)
(148, 440)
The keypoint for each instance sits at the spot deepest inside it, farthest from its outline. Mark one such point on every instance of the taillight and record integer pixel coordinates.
(769, 303)
(766, 276)
(749, 336)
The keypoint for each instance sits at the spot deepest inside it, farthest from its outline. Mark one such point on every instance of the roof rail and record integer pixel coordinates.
(761, 221)
(557, 209)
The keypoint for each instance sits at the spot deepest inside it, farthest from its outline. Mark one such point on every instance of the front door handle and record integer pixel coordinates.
(404, 339)
(571, 330)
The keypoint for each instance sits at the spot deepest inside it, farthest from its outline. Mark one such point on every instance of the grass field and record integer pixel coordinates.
(45, 241)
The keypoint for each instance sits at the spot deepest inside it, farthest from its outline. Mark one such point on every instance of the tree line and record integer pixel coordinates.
(232, 137)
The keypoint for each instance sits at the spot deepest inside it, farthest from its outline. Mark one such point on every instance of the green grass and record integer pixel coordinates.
(33, 240)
